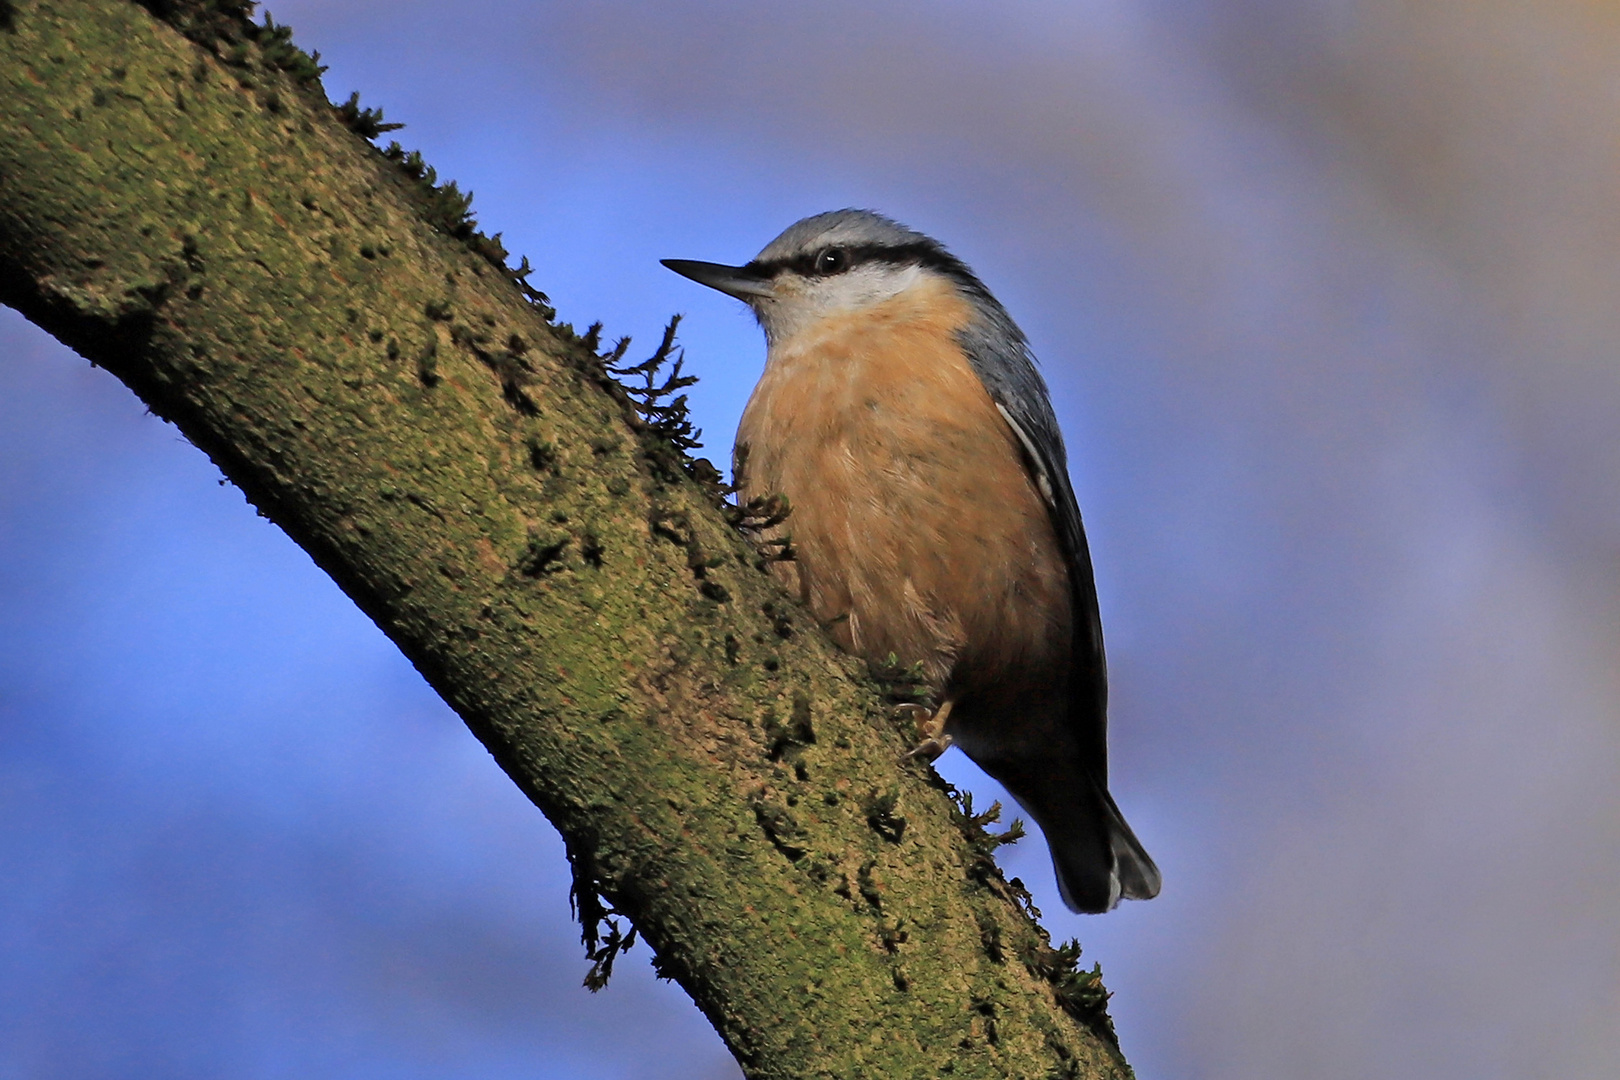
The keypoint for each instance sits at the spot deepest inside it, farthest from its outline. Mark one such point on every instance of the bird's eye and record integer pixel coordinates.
(831, 261)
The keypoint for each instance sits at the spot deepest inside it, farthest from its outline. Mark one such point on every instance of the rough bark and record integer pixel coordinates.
(198, 220)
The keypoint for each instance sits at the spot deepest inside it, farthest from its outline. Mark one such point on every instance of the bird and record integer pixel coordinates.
(933, 522)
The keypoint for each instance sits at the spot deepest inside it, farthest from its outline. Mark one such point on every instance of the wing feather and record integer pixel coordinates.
(1001, 358)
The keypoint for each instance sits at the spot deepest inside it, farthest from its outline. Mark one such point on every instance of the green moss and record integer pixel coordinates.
(366, 123)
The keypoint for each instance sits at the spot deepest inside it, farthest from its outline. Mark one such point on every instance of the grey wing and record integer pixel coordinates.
(1001, 358)
(1097, 857)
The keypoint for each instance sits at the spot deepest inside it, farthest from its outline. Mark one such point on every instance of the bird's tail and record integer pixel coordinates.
(1097, 857)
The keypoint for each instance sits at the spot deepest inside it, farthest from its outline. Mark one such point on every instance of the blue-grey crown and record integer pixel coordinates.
(847, 229)
(863, 236)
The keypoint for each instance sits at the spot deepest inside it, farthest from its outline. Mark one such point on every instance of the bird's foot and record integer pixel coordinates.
(931, 727)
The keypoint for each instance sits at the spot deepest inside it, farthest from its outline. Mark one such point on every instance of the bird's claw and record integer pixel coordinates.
(931, 726)
(928, 749)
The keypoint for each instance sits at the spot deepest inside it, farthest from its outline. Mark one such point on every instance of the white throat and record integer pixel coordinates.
(802, 302)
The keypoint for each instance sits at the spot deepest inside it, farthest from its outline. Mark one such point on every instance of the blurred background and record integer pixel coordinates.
(1326, 293)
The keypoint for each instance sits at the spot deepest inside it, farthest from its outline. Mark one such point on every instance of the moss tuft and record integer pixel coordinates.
(366, 123)
(1080, 993)
(603, 936)
(903, 684)
(781, 828)
(981, 842)
(226, 29)
(783, 740)
(883, 815)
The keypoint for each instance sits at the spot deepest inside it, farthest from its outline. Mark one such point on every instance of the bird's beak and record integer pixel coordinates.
(743, 282)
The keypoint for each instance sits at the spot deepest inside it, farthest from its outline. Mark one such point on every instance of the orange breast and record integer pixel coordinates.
(918, 529)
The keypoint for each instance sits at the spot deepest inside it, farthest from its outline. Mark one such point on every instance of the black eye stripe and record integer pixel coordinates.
(928, 255)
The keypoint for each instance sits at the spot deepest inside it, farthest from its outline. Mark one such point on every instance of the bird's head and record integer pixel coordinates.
(830, 264)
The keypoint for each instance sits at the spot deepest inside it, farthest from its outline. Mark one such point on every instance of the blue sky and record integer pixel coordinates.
(1324, 293)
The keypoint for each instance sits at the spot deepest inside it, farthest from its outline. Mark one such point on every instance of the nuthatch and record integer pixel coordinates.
(933, 520)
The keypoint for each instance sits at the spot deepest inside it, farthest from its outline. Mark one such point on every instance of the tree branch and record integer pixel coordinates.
(194, 216)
